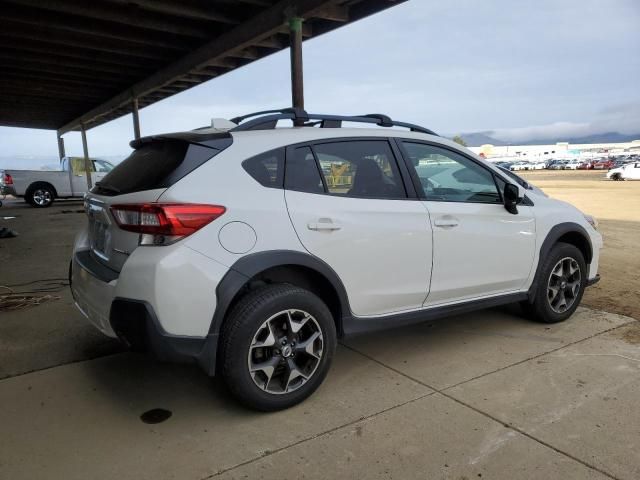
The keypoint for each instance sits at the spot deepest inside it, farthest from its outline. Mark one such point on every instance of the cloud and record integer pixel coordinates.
(618, 118)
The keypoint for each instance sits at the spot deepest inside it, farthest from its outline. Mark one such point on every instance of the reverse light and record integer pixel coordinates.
(164, 223)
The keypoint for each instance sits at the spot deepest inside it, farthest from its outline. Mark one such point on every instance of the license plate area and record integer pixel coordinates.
(99, 231)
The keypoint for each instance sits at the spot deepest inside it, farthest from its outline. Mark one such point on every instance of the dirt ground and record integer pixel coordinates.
(616, 205)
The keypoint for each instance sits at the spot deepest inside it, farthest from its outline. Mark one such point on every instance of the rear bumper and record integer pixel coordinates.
(7, 190)
(136, 325)
(92, 292)
(134, 322)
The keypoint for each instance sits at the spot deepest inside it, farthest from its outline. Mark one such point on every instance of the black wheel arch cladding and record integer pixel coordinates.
(568, 232)
(248, 267)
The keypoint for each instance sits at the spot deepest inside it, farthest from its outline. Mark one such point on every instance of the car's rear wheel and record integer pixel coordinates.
(40, 196)
(561, 284)
(277, 346)
(616, 177)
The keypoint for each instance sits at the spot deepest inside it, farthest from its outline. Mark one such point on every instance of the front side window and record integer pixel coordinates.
(446, 176)
(360, 168)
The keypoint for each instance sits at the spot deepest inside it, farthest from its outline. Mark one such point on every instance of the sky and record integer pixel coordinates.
(517, 68)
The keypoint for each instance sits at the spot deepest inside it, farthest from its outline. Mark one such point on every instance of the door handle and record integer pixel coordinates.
(446, 222)
(323, 224)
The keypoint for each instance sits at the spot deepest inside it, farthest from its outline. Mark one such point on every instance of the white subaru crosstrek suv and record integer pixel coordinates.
(250, 250)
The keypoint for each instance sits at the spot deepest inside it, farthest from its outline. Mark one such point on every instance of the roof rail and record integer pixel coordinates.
(268, 119)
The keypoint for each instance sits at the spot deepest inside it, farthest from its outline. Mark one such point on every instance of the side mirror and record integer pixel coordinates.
(511, 198)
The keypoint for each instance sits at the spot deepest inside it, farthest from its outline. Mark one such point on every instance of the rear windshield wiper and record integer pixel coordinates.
(107, 187)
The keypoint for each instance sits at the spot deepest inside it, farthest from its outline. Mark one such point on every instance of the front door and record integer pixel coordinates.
(479, 249)
(348, 205)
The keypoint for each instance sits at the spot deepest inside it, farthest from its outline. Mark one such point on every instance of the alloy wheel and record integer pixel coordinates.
(285, 351)
(563, 286)
(42, 197)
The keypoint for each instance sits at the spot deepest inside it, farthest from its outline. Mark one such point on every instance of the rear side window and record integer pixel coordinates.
(302, 172)
(267, 168)
(157, 164)
(360, 168)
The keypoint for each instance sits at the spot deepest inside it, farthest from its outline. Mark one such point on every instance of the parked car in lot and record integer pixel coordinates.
(603, 164)
(558, 165)
(251, 251)
(630, 171)
(519, 166)
(585, 165)
(536, 166)
(505, 165)
(41, 187)
(522, 182)
(572, 165)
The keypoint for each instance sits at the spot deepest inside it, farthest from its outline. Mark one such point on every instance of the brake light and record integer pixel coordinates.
(164, 223)
(7, 179)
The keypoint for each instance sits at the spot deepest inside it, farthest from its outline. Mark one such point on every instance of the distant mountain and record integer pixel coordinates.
(477, 139)
(609, 137)
(481, 138)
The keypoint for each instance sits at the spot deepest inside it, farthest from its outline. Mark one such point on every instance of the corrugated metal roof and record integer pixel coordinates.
(70, 61)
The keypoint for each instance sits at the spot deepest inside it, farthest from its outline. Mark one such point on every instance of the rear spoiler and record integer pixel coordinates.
(205, 139)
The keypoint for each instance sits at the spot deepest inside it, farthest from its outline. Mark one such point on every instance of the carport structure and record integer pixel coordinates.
(71, 65)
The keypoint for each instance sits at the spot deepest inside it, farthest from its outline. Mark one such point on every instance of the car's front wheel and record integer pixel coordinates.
(561, 284)
(277, 346)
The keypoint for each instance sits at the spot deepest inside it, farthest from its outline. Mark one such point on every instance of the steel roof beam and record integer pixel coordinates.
(181, 9)
(129, 16)
(52, 21)
(25, 57)
(263, 25)
(78, 40)
(62, 72)
(47, 49)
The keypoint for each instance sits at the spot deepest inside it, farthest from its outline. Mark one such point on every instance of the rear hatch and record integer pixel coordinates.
(155, 165)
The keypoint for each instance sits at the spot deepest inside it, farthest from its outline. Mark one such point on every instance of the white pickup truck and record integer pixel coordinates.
(41, 187)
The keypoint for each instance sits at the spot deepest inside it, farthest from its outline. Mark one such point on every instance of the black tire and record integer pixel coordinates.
(616, 177)
(40, 195)
(540, 308)
(245, 321)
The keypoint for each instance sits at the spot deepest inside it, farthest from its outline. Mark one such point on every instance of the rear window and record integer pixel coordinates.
(157, 164)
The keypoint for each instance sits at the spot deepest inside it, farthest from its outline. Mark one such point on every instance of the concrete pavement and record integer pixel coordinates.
(484, 395)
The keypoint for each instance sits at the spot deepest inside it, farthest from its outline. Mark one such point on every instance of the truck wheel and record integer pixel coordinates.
(561, 285)
(40, 196)
(277, 346)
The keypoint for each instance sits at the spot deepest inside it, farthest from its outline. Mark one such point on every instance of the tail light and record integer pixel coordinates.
(7, 179)
(164, 223)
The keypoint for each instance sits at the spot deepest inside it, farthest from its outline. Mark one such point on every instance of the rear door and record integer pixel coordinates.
(479, 249)
(349, 207)
(141, 178)
(78, 176)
